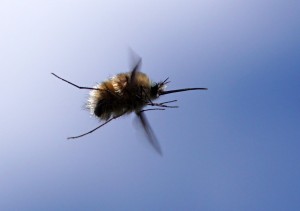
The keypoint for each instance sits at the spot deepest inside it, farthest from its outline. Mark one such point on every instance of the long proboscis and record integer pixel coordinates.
(180, 90)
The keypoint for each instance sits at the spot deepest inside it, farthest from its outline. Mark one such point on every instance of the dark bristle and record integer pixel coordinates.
(165, 81)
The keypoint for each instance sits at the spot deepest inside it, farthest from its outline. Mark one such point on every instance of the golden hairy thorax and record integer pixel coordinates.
(119, 95)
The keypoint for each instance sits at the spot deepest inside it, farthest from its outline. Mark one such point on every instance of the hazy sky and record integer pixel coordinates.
(233, 147)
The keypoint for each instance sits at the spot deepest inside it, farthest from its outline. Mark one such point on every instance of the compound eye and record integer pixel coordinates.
(154, 90)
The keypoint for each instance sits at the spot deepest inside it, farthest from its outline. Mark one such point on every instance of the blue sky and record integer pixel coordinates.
(233, 147)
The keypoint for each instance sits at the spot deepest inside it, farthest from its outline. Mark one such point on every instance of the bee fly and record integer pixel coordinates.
(125, 93)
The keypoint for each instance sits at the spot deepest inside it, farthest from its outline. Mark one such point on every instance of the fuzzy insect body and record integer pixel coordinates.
(125, 93)
(121, 95)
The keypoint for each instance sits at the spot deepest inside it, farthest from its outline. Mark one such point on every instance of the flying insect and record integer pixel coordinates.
(125, 93)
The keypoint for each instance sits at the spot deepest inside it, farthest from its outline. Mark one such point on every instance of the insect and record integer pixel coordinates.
(125, 93)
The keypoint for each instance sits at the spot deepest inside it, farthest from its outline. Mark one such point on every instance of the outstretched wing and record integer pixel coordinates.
(134, 71)
(149, 132)
(135, 63)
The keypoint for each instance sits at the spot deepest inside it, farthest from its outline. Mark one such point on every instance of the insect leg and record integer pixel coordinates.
(74, 137)
(153, 109)
(163, 104)
(79, 87)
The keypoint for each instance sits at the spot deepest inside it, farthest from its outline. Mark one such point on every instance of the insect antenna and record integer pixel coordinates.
(79, 87)
(180, 90)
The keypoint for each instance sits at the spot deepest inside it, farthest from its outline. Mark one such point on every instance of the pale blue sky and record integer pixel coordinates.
(233, 147)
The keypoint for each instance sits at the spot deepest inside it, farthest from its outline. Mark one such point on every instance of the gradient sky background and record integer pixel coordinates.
(233, 147)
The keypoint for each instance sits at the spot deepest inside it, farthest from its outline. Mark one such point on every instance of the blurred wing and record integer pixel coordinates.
(149, 133)
(135, 62)
(134, 71)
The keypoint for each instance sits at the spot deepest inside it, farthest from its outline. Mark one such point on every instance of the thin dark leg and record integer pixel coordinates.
(74, 137)
(153, 109)
(79, 87)
(163, 104)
